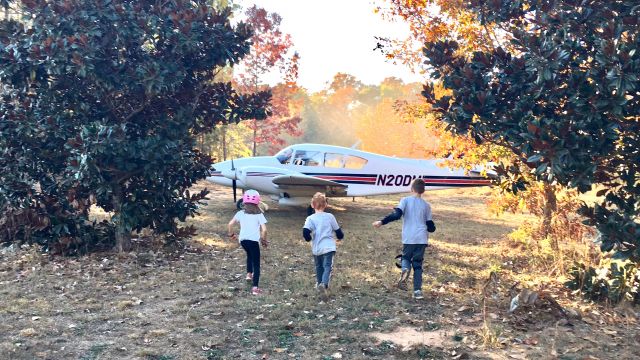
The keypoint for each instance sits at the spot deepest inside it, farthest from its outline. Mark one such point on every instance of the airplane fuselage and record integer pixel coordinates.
(361, 173)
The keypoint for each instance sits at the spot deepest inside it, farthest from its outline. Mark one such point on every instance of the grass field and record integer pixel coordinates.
(193, 302)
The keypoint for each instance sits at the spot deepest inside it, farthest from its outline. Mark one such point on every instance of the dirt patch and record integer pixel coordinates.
(408, 337)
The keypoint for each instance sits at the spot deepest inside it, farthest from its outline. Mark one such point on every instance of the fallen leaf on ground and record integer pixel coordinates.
(28, 332)
(518, 356)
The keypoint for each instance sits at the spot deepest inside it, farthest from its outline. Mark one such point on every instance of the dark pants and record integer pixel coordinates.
(413, 255)
(253, 259)
(324, 265)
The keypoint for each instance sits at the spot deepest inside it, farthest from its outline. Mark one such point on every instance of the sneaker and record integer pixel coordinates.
(249, 277)
(256, 290)
(322, 289)
(418, 295)
(402, 283)
(324, 292)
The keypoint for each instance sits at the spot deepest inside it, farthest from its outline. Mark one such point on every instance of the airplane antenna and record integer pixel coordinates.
(355, 146)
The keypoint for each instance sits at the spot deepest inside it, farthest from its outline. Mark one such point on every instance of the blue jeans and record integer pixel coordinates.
(324, 264)
(412, 256)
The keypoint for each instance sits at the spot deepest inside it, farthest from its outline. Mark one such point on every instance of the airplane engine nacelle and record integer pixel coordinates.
(300, 201)
(260, 177)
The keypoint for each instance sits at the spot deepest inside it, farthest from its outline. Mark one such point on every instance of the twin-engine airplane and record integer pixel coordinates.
(297, 172)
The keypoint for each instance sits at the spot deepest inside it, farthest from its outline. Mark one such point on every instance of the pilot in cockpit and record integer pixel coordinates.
(284, 155)
(299, 159)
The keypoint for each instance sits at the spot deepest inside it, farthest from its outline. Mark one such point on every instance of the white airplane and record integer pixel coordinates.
(297, 172)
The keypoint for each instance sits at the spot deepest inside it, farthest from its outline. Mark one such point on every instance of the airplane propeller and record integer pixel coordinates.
(233, 182)
(232, 174)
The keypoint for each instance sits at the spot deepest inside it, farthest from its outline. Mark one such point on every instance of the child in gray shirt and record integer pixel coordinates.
(416, 226)
(323, 247)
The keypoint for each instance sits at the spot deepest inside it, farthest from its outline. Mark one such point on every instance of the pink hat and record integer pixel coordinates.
(251, 197)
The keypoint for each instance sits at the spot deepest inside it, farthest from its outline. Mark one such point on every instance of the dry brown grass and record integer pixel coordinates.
(194, 303)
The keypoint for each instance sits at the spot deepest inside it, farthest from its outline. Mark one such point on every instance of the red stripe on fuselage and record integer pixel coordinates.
(457, 181)
(346, 178)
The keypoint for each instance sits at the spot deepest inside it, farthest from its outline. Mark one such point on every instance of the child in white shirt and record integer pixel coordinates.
(323, 247)
(253, 232)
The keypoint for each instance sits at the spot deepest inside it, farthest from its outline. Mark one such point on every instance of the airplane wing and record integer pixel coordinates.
(303, 180)
(484, 171)
(309, 184)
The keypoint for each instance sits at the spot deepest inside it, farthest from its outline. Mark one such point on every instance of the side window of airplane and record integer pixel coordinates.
(307, 158)
(332, 160)
(354, 162)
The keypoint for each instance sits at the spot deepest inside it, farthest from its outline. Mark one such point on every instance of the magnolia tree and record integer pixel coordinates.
(102, 102)
(562, 96)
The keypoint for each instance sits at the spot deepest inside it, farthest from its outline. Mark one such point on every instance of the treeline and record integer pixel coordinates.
(345, 113)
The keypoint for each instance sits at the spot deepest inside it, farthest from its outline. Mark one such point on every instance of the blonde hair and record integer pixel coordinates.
(417, 185)
(252, 209)
(319, 201)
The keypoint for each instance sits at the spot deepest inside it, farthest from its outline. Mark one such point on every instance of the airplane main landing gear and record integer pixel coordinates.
(310, 211)
(240, 204)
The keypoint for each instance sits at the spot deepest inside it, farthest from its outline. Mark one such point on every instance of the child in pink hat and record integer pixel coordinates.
(253, 232)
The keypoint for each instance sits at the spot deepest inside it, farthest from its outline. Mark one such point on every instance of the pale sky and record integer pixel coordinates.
(337, 36)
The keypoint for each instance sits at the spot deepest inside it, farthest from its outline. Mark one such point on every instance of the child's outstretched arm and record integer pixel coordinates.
(396, 214)
(336, 228)
(431, 226)
(306, 234)
(263, 235)
(230, 228)
(307, 228)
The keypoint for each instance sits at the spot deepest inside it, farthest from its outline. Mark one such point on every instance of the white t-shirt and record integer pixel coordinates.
(322, 225)
(415, 213)
(249, 225)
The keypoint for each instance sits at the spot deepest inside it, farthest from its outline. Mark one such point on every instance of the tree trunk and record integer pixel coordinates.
(255, 134)
(550, 207)
(224, 142)
(123, 235)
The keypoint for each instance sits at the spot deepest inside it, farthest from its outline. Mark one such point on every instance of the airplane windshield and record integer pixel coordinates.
(284, 155)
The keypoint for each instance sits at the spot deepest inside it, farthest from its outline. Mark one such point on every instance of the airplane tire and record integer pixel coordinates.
(240, 204)
(310, 211)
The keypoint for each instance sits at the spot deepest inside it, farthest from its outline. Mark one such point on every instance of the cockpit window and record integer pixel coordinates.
(354, 162)
(284, 155)
(332, 160)
(307, 158)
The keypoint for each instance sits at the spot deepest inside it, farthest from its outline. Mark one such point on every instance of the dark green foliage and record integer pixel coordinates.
(618, 282)
(102, 101)
(561, 93)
